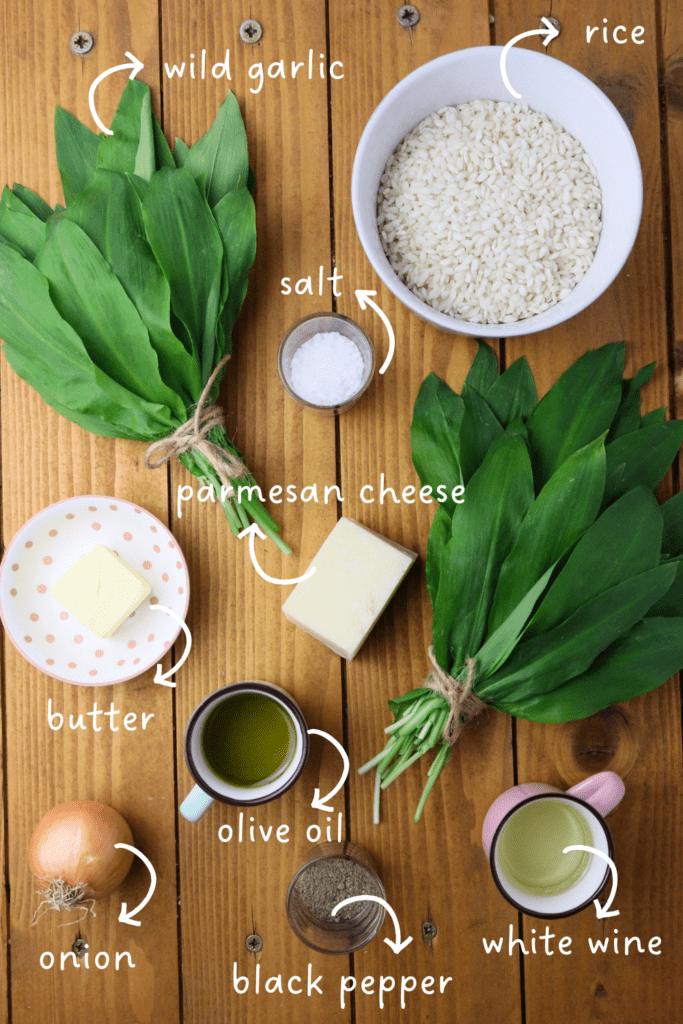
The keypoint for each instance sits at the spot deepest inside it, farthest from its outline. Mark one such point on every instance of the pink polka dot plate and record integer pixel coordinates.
(49, 544)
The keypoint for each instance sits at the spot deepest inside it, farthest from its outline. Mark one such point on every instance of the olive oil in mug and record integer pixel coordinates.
(248, 739)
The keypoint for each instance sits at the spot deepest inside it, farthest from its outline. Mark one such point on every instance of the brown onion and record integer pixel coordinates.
(72, 853)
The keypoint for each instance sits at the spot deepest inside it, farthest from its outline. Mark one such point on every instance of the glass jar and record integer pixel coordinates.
(323, 323)
(343, 936)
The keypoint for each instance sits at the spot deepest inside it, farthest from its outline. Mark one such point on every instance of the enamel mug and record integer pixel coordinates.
(593, 799)
(209, 786)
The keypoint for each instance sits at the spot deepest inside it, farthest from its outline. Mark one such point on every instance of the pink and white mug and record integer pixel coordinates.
(581, 811)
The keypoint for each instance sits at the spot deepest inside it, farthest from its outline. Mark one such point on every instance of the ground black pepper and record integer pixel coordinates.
(327, 882)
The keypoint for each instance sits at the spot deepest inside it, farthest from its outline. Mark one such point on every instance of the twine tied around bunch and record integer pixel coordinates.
(464, 704)
(192, 436)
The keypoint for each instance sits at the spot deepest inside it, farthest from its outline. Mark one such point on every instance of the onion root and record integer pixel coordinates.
(59, 895)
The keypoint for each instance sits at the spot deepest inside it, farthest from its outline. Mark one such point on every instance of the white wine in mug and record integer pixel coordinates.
(528, 835)
(530, 847)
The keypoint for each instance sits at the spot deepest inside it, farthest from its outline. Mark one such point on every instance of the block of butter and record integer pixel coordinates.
(101, 591)
(357, 572)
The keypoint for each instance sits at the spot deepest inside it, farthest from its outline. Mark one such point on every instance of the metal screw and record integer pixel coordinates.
(408, 15)
(254, 943)
(250, 31)
(428, 930)
(81, 43)
(554, 22)
(80, 947)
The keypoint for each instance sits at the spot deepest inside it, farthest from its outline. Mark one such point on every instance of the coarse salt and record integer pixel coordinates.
(327, 369)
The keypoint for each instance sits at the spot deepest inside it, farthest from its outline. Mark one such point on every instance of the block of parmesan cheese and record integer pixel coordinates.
(357, 571)
(101, 591)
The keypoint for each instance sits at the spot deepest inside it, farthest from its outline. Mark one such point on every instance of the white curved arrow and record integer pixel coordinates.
(137, 66)
(251, 531)
(163, 677)
(550, 33)
(601, 911)
(125, 917)
(396, 946)
(363, 300)
(318, 802)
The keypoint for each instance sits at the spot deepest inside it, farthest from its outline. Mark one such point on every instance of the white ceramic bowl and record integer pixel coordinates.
(547, 85)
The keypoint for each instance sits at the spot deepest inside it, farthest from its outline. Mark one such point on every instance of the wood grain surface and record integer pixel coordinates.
(629, 739)
(211, 895)
(46, 459)
(435, 871)
(229, 891)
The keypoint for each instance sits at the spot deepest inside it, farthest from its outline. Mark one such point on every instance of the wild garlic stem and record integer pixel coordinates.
(392, 751)
(375, 761)
(440, 761)
(375, 802)
(417, 727)
(400, 766)
(237, 512)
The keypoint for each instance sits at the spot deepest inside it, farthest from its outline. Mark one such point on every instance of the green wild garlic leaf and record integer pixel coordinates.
(627, 418)
(672, 511)
(89, 296)
(19, 226)
(578, 408)
(162, 151)
(638, 662)
(483, 532)
(564, 509)
(188, 247)
(77, 149)
(547, 661)
(109, 213)
(236, 220)
(483, 373)
(624, 541)
(439, 536)
(435, 437)
(656, 416)
(33, 201)
(46, 352)
(642, 458)
(221, 154)
(479, 428)
(119, 152)
(500, 645)
(513, 395)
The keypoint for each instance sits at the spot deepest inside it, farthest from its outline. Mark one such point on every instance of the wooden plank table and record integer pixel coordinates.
(211, 895)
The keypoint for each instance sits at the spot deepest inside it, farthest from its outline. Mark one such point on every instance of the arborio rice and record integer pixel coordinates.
(490, 211)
